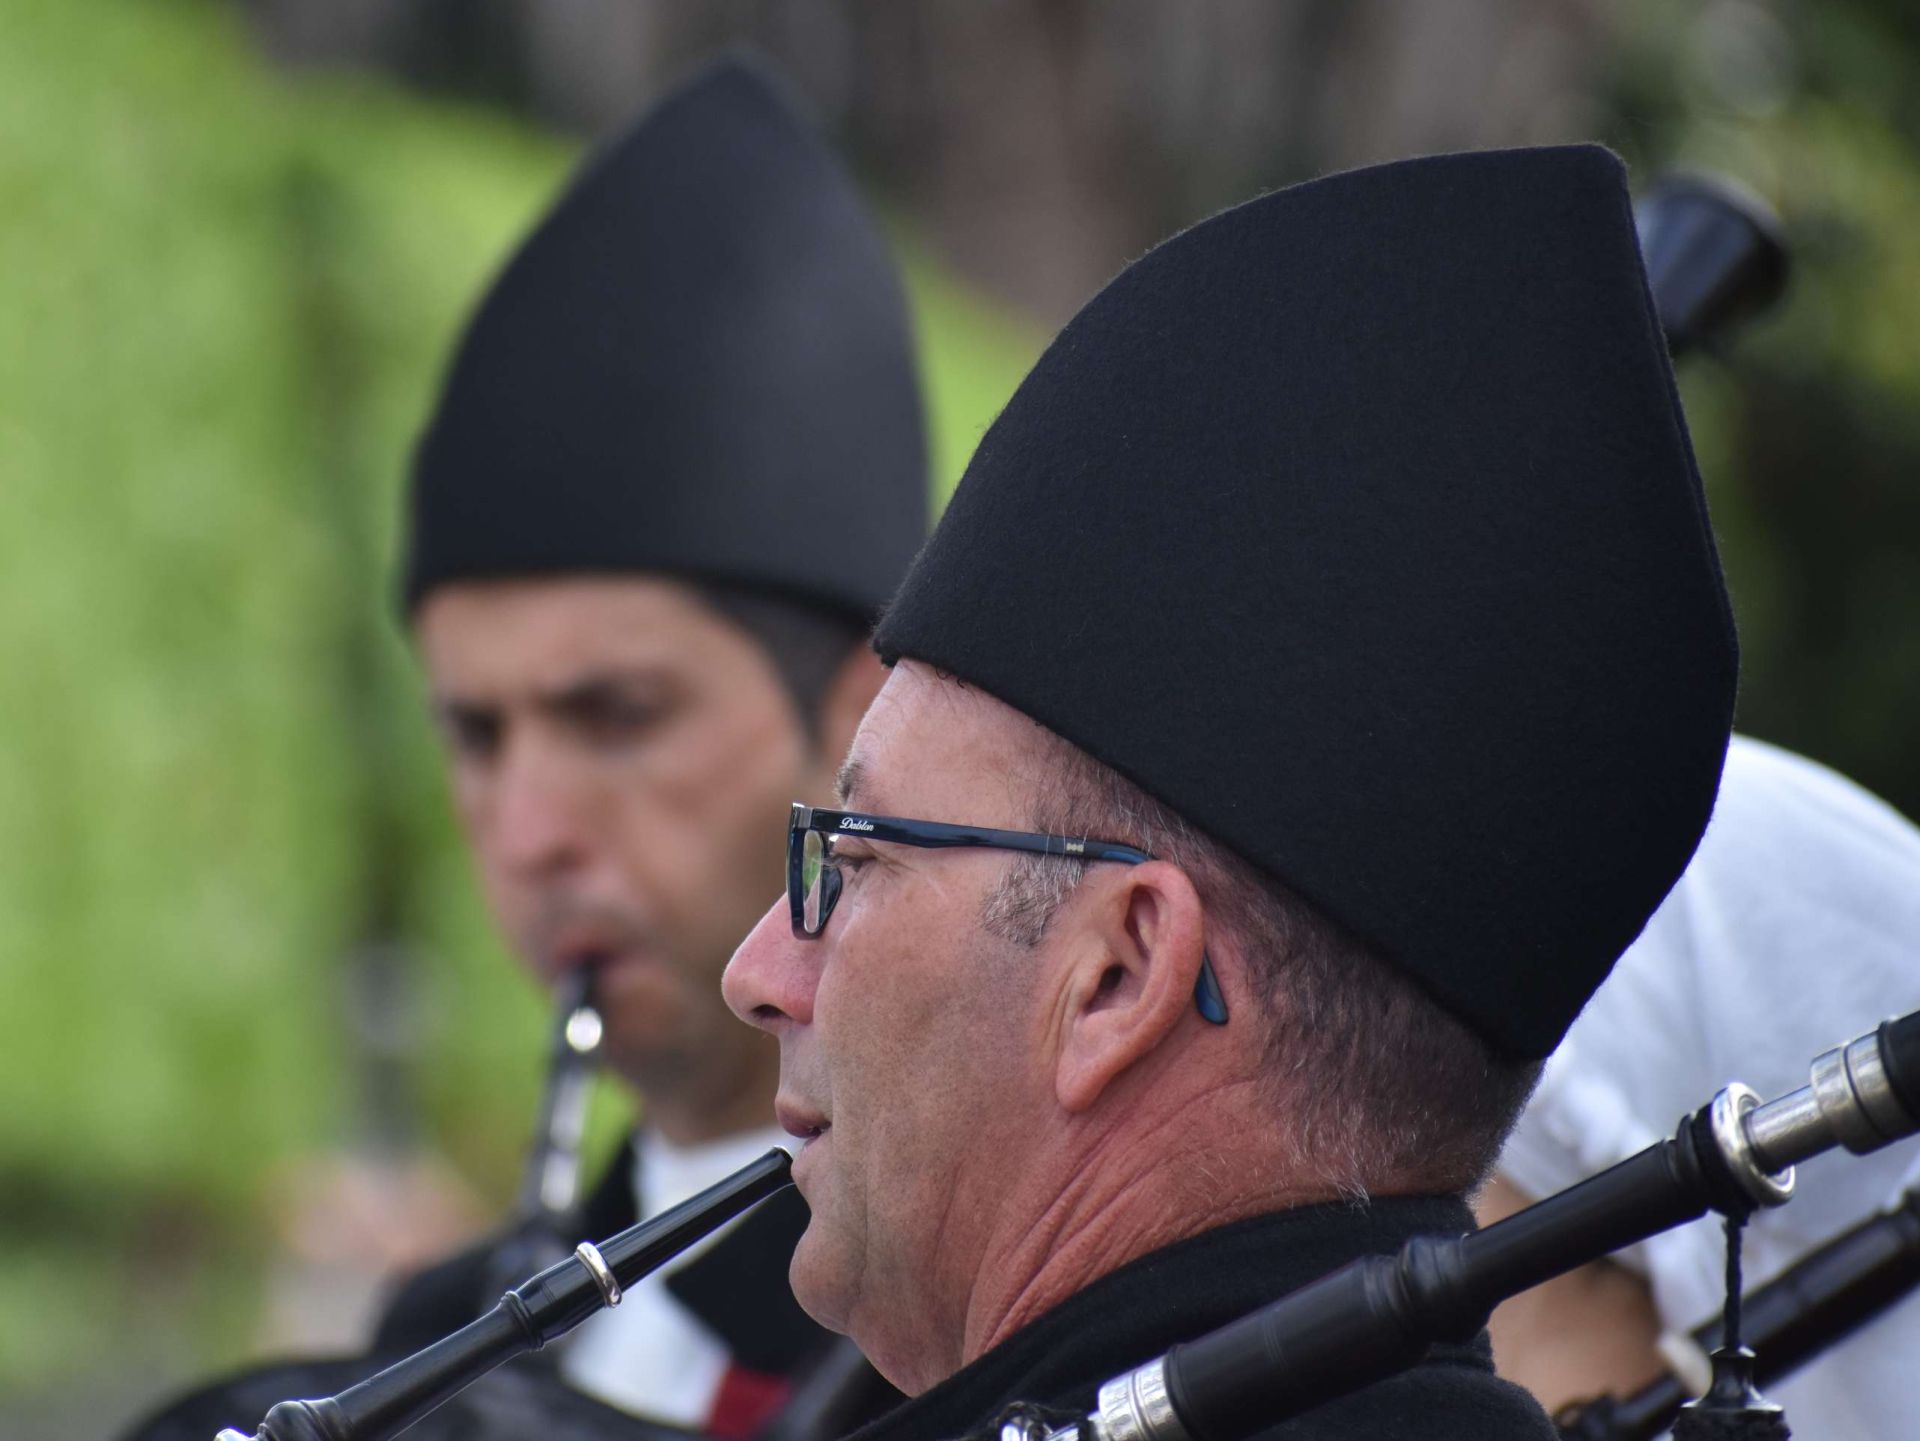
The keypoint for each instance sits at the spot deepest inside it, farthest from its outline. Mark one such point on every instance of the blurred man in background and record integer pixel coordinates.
(677, 468)
(1797, 922)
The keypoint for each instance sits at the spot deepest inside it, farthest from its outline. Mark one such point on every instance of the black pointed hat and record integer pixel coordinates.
(1359, 525)
(699, 364)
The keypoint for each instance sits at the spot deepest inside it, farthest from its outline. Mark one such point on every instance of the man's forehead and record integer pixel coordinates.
(583, 597)
(590, 609)
(933, 748)
(548, 631)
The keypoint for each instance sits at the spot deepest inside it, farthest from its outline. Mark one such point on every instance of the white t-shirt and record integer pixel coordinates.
(649, 1355)
(1796, 928)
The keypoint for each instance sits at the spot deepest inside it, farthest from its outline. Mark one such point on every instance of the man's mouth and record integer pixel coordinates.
(565, 940)
(801, 1121)
(570, 955)
(587, 956)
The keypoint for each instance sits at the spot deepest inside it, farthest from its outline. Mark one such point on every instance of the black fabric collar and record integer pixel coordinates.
(1173, 1295)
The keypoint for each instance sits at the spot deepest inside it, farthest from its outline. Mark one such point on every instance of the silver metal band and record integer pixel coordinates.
(1866, 1069)
(1728, 1118)
(1787, 1129)
(590, 1257)
(1136, 1407)
(1833, 1090)
(1849, 1101)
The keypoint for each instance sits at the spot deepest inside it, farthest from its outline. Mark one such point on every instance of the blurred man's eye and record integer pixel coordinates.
(611, 718)
(472, 735)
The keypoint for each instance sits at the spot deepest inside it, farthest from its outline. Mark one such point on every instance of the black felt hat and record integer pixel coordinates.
(1359, 525)
(699, 364)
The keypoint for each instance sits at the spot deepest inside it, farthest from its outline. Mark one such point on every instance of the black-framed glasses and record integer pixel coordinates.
(814, 879)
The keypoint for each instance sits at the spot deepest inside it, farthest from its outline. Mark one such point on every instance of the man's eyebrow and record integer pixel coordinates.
(585, 686)
(449, 707)
(597, 687)
(847, 784)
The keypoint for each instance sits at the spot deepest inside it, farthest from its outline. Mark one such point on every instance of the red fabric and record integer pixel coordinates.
(745, 1401)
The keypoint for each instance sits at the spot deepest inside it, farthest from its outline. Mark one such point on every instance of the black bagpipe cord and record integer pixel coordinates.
(1732, 1408)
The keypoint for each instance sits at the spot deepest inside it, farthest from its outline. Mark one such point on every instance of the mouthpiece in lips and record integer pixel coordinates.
(575, 974)
(574, 963)
(582, 1028)
(583, 945)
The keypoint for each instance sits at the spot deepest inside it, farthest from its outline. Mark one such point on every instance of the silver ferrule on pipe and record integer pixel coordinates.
(1136, 1407)
(1873, 1090)
(1765, 1185)
(1848, 1101)
(1786, 1131)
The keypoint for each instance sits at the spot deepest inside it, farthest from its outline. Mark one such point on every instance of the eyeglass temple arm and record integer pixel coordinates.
(1207, 996)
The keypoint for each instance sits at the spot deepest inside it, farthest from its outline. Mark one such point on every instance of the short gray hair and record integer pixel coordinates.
(1382, 1087)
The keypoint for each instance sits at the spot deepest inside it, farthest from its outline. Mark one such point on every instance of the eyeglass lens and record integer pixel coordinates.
(814, 883)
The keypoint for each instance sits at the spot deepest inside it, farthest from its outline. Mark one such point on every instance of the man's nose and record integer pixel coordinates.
(771, 980)
(541, 818)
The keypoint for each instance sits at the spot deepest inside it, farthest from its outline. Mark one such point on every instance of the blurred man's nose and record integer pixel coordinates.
(541, 817)
(771, 979)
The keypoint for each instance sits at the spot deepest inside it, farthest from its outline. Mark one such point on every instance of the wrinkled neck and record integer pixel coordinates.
(1117, 1191)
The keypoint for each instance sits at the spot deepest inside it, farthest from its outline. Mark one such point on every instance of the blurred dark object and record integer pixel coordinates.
(545, 1210)
(1714, 256)
(1733, 1408)
(1812, 1306)
(511, 1404)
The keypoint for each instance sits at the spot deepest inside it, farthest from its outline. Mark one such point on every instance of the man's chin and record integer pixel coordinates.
(649, 1063)
(818, 1285)
(648, 1029)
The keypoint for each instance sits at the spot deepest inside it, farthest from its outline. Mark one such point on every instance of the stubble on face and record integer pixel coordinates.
(923, 1044)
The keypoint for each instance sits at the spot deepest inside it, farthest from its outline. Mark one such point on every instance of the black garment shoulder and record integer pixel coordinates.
(1188, 1289)
(511, 1404)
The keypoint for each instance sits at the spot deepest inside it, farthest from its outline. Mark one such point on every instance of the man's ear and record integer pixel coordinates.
(1133, 962)
(848, 694)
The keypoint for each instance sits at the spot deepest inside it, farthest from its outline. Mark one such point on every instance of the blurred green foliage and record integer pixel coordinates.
(225, 299)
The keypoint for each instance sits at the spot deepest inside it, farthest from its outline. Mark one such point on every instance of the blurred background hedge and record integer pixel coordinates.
(236, 241)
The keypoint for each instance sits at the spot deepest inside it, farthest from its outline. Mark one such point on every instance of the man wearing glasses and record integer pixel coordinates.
(1320, 675)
